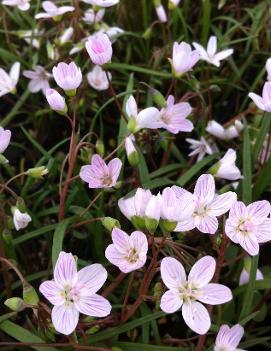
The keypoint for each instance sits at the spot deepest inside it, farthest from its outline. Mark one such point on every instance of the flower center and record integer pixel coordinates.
(165, 118)
(245, 226)
(132, 256)
(107, 180)
(188, 292)
(71, 294)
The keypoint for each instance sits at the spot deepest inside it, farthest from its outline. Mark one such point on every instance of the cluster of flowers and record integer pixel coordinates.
(174, 209)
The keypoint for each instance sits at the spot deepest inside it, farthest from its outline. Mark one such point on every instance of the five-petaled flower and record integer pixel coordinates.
(208, 206)
(129, 253)
(99, 48)
(52, 11)
(100, 175)
(73, 292)
(264, 101)
(183, 58)
(188, 293)
(249, 225)
(228, 338)
(9, 81)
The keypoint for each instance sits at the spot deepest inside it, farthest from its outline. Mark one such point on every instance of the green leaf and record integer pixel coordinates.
(195, 169)
(112, 332)
(261, 136)
(246, 182)
(23, 335)
(262, 180)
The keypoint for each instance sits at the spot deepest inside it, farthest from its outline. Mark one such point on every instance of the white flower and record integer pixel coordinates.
(97, 78)
(23, 5)
(227, 168)
(101, 3)
(51, 10)
(161, 13)
(20, 219)
(31, 37)
(9, 81)
(220, 132)
(92, 16)
(211, 55)
(201, 148)
(39, 79)
(268, 69)
(66, 36)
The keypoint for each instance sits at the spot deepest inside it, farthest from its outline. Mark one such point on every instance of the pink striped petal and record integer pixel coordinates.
(264, 231)
(114, 167)
(222, 203)
(205, 188)
(258, 211)
(215, 294)
(65, 318)
(94, 306)
(206, 224)
(173, 273)
(171, 301)
(92, 278)
(52, 292)
(202, 271)
(65, 272)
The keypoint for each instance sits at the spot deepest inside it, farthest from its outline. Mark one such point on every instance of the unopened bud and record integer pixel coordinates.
(147, 34)
(100, 147)
(110, 223)
(158, 98)
(37, 172)
(3, 160)
(16, 304)
(20, 204)
(30, 295)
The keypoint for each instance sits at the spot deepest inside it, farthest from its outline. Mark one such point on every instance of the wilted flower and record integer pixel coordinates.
(56, 101)
(185, 293)
(9, 81)
(22, 5)
(211, 55)
(5, 136)
(39, 79)
(99, 48)
(128, 253)
(249, 225)
(102, 3)
(147, 118)
(217, 130)
(201, 148)
(229, 338)
(264, 101)
(208, 205)
(52, 11)
(73, 292)
(131, 151)
(183, 58)
(66, 35)
(226, 167)
(100, 175)
(174, 116)
(160, 11)
(92, 16)
(20, 219)
(67, 76)
(97, 78)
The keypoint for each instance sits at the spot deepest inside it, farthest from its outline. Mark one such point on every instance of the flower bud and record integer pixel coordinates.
(132, 125)
(30, 295)
(158, 98)
(100, 147)
(16, 304)
(131, 151)
(3, 160)
(66, 36)
(99, 48)
(37, 172)
(110, 223)
(152, 214)
(147, 34)
(20, 204)
(56, 101)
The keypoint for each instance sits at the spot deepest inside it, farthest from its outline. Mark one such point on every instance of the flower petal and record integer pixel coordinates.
(249, 243)
(114, 167)
(149, 118)
(92, 278)
(196, 317)
(264, 231)
(139, 241)
(205, 188)
(212, 45)
(215, 294)
(206, 224)
(65, 318)
(259, 210)
(120, 240)
(52, 292)
(202, 271)
(131, 107)
(65, 272)
(258, 100)
(222, 203)
(94, 306)
(171, 301)
(172, 272)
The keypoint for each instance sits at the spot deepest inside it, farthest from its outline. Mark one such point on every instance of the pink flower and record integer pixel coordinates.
(161, 13)
(56, 101)
(129, 253)
(5, 136)
(100, 175)
(226, 168)
(264, 101)
(249, 225)
(183, 58)
(229, 338)
(208, 206)
(67, 76)
(97, 78)
(174, 116)
(135, 206)
(188, 293)
(99, 48)
(52, 11)
(8, 81)
(201, 148)
(73, 292)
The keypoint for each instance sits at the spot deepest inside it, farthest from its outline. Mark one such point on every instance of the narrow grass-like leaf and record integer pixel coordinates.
(261, 136)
